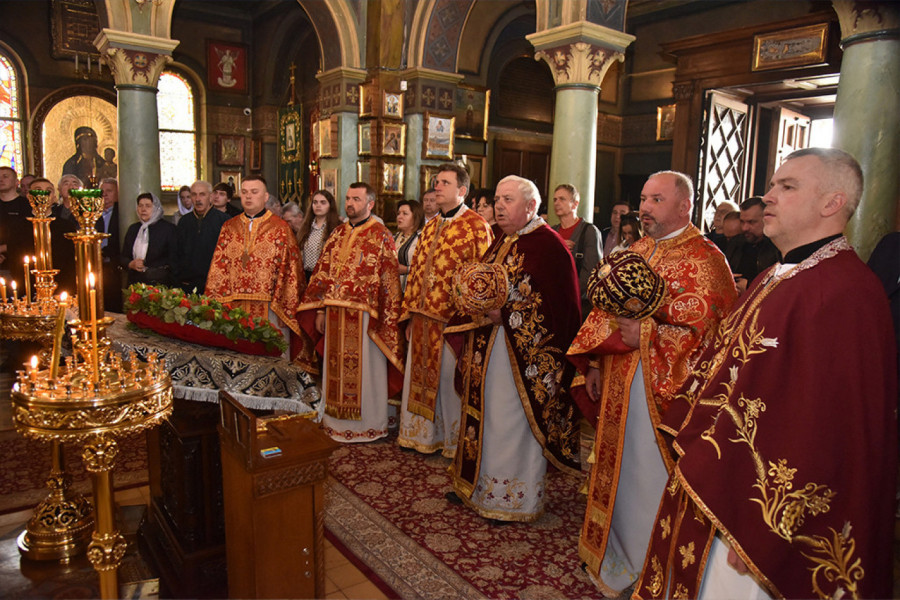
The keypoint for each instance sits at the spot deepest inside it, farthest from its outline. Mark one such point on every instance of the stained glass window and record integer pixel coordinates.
(177, 131)
(10, 120)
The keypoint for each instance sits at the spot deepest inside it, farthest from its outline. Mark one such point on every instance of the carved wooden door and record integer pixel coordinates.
(723, 157)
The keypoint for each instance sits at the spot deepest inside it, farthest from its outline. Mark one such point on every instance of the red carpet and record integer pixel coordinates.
(26, 464)
(388, 508)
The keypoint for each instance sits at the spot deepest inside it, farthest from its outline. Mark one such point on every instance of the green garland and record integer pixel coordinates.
(172, 305)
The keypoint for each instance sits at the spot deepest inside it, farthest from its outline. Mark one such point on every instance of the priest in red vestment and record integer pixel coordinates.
(786, 428)
(632, 367)
(349, 313)
(255, 263)
(516, 416)
(429, 415)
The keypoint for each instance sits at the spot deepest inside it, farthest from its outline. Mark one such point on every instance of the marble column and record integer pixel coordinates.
(579, 55)
(867, 113)
(339, 95)
(136, 62)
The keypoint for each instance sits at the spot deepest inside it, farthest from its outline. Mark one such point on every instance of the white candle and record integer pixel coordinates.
(27, 282)
(95, 352)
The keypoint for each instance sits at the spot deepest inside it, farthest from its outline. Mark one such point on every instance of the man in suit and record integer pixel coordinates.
(111, 247)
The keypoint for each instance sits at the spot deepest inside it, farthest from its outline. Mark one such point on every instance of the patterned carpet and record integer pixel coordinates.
(26, 464)
(387, 506)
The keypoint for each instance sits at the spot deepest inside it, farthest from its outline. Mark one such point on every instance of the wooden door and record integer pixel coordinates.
(790, 131)
(531, 161)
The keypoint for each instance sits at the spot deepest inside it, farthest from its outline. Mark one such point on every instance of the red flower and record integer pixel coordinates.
(134, 297)
(154, 297)
(185, 302)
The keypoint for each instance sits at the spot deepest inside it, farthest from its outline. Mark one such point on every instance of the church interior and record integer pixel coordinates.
(318, 94)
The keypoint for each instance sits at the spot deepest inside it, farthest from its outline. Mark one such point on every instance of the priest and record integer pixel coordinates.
(429, 415)
(515, 417)
(349, 314)
(255, 265)
(786, 429)
(632, 365)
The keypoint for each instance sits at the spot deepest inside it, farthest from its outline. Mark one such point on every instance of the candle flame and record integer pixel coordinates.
(13, 284)
(34, 362)
(63, 296)
(91, 279)
(2, 281)
(27, 259)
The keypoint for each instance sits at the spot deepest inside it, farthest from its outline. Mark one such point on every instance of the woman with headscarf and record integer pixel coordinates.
(150, 249)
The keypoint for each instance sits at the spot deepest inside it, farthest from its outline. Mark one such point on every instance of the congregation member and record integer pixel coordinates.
(516, 416)
(63, 209)
(717, 234)
(633, 366)
(429, 204)
(581, 238)
(410, 219)
(273, 205)
(349, 313)
(110, 247)
(429, 410)
(185, 204)
(16, 237)
(150, 249)
(61, 253)
(256, 263)
(197, 233)
(320, 219)
(629, 231)
(611, 233)
(786, 429)
(752, 252)
(483, 203)
(25, 183)
(293, 215)
(221, 199)
(731, 228)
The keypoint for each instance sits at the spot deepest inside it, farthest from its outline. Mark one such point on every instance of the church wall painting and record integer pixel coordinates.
(438, 142)
(94, 154)
(226, 66)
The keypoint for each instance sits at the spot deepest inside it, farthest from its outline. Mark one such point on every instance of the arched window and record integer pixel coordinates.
(11, 122)
(177, 131)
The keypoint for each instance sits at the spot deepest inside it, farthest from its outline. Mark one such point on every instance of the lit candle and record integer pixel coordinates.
(13, 286)
(95, 352)
(58, 333)
(32, 369)
(27, 281)
(3, 289)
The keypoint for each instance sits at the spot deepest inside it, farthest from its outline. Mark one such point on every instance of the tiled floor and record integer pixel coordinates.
(343, 580)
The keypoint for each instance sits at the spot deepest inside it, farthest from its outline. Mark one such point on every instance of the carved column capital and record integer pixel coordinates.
(579, 63)
(134, 59)
(682, 90)
(580, 53)
(862, 21)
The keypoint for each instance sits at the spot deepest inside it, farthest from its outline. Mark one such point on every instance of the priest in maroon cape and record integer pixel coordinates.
(786, 428)
(524, 309)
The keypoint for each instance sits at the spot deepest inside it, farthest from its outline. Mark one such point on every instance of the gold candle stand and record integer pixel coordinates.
(97, 398)
(60, 527)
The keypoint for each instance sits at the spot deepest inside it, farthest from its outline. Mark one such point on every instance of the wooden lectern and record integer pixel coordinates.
(273, 475)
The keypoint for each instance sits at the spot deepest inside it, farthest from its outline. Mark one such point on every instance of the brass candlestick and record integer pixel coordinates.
(60, 527)
(97, 397)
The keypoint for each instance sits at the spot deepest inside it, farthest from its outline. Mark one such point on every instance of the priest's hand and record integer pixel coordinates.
(495, 316)
(630, 330)
(592, 384)
(320, 322)
(736, 562)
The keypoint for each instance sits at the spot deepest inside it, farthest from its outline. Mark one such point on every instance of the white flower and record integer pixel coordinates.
(734, 373)
(537, 338)
(531, 371)
(770, 342)
(515, 320)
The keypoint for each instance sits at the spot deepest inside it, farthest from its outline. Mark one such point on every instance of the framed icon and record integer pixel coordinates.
(796, 47)
(438, 139)
(366, 101)
(393, 105)
(232, 178)
(365, 137)
(471, 108)
(392, 178)
(364, 171)
(230, 150)
(327, 129)
(428, 177)
(329, 180)
(665, 122)
(393, 139)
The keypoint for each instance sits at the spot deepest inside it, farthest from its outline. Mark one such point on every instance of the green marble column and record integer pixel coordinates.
(138, 148)
(578, 54)
(867, 114)
(574, 152)
(136, 62)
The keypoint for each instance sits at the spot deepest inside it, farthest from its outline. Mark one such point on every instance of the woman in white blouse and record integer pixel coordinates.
(319, 221)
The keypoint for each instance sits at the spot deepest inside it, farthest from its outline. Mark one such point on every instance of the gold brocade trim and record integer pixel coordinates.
(343, 387)
(252, 226)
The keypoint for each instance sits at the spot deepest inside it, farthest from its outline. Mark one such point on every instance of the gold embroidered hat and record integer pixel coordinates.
(625, 285)
(480, 287)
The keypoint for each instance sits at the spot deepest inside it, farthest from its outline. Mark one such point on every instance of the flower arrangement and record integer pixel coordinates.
(171, 308)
